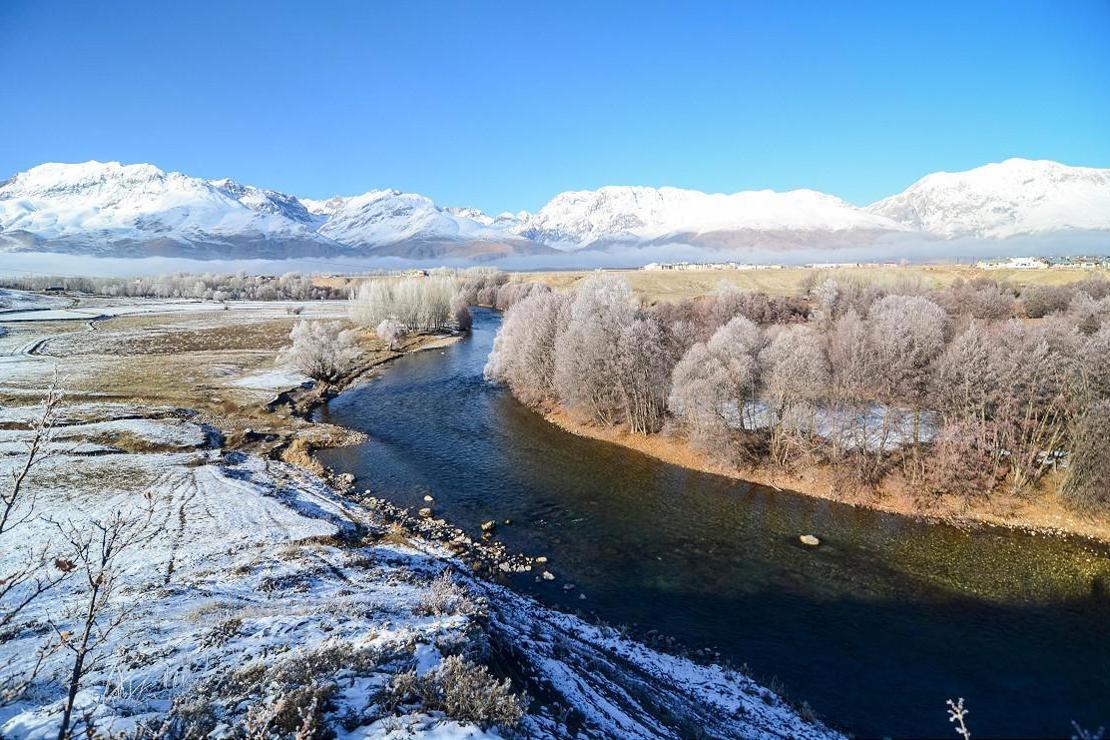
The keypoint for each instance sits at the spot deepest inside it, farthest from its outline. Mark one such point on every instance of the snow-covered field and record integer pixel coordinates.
(256, 599)
(98, 308)
(17, 300)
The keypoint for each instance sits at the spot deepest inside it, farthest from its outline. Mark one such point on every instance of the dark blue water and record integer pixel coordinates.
(875, 629)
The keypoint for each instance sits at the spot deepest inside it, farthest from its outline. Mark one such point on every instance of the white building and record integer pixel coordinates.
(1014, 263)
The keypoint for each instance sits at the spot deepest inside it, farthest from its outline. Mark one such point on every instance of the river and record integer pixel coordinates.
(875, 628)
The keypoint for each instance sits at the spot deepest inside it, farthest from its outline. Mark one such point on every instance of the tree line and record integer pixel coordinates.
(971, 389)
(205, 286)
(393, 308)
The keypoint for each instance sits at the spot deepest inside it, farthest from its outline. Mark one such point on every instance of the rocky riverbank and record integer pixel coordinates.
(265, 600)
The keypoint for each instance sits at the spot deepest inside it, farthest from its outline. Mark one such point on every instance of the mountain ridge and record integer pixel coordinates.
(113, 209)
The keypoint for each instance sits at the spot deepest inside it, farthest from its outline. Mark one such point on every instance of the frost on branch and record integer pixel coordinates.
(323, 350)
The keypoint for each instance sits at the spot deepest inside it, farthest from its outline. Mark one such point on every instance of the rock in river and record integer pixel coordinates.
(809, 540)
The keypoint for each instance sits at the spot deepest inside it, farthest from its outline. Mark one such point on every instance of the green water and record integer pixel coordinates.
(875, 629)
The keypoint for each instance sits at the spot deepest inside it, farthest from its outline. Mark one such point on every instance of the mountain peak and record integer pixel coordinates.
(111, 208)
(635, 213)
(1002, 199)
(57, 176)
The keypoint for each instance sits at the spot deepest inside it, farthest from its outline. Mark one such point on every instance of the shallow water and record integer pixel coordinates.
(875, 629)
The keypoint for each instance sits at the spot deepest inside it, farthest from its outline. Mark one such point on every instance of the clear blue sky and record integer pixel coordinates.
(501, 105)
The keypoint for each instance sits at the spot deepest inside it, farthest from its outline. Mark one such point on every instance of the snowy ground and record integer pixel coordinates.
(47, 308)
(876, 427)
(257, 599)
(17, 300)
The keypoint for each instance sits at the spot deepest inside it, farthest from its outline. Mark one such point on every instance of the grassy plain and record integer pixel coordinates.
(671, 285)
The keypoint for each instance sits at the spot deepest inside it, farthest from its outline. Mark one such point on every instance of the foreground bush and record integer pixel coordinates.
(462, 690)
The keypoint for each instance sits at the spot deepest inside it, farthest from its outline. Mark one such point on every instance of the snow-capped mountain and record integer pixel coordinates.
(639, 214)
(1018, 196)
(112, 209)
(138, 210)
(381, 219)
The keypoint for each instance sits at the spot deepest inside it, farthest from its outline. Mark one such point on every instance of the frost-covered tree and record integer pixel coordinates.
(1093, 370)
(645, 357)
(826, 299)
(1088, 313)
(1087, 483)
(714, 383)
(587, 355)
(420, 304)
(965, 385)
(206, 286)
(976, 299)
(852, 389)
(908, 334)
(322, 350)
(796, 377)
(523, 355)
(1039, 301)
(729, 301)
(460, 312)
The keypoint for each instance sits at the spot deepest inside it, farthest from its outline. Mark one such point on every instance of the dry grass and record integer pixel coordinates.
(192, 361)
(462, 690)
(655, 285)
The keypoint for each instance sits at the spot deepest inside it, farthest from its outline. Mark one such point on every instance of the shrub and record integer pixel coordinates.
(1041, 300)
(391, 332)
(462, 690)
(323, 350)
(461, 313)
(445, 597)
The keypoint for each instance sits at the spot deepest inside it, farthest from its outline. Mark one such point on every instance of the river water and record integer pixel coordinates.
(875, 628)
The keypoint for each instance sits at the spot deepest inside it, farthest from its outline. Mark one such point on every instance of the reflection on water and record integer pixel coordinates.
(875, 628)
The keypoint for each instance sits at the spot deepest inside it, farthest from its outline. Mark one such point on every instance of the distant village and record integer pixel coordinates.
(1004, 263)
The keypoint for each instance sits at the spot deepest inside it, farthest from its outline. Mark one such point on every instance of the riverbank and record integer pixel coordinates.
(266, 595)
(1043, 514)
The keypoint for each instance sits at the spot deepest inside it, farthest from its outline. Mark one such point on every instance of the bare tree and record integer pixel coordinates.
(1036, 368)
(323, 350)
(1039, 301)
(460, 311)
(730, 301)
(1093, 370)
(31, 570)
(1089, 314)
(1087, 483)
(96, 551)
(852, 390)
(419, 304)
